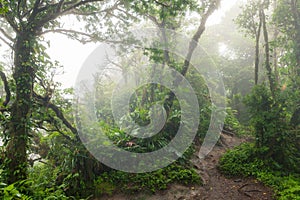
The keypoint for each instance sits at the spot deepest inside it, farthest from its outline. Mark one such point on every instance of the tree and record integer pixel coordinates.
(29, 94)
(234, 53)
(163, 16)
(25, 22)
(273, 110)
(286, 18)
(250, 21)
(168, 16)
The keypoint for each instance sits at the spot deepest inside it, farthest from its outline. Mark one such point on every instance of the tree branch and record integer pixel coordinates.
(61, 116)
(6, 88)
(60, 6)
(66, 31)
(6, 35)
(192, 46)
(35, 10)
(153, 19)
(56, 10)
(193, 43)
(55, 130)
(72, 33)
(127, 13)
(11, 21)
(57, 112)
(82, 13)
(162, 4)
(7, 43)
(80, 3)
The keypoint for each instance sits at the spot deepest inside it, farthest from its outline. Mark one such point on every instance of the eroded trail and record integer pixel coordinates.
(216, 186)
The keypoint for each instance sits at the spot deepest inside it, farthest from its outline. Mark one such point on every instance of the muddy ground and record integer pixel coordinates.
(216, 186)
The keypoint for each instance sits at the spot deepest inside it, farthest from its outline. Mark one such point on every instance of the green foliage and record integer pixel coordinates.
(15, 191)
(44, 183)
(41, 185)
(170, 12)
(249, 18)
(241, 161)
(274, 137)
(4, 7)
(103, 187)
(151, 182)
(232, 123)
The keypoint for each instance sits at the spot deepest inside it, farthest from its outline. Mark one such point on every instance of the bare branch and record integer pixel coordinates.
(6, 88)
(153, 19)
(57, 112)
(162, 4)
(80, 3)
(78, 12)
(6, 35)
(61, 116)
(7, 43)
(55, 130)
(114, 63)
(107, 10)
(11, 21)
(68, 31)
(72, 33)
(35, 9)
(127, 13)
(18, 9)
(56, 10)
(116, 16)
(60, 5)
(90, 37)
(45, 163)
(32, 161)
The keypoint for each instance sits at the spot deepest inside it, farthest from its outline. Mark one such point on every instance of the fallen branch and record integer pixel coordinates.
(245, 192)
(228, 132)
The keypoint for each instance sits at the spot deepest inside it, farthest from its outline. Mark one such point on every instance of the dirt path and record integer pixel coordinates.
(216, 186)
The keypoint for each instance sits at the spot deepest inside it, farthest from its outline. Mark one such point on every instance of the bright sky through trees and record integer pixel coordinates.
(71, 54)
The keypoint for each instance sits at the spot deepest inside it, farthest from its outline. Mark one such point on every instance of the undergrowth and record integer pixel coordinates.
(112, 181)
(41, 184)
(241, 161)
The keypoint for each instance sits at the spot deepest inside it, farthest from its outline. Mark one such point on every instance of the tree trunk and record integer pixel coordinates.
(296, 16)
(192, 46)
(275, 56)
(257, 52)
(267, 54)
(19, 126)
(295, 120)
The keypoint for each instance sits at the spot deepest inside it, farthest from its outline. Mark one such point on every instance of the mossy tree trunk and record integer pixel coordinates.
(19, 126)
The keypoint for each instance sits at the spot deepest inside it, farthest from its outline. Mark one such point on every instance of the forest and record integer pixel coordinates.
(169, 106)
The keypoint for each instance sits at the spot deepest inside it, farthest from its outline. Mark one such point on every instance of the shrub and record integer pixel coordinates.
(241, 161)
(274, 137)
(151, 182)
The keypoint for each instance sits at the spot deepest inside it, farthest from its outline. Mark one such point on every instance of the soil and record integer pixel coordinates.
(216, 186)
